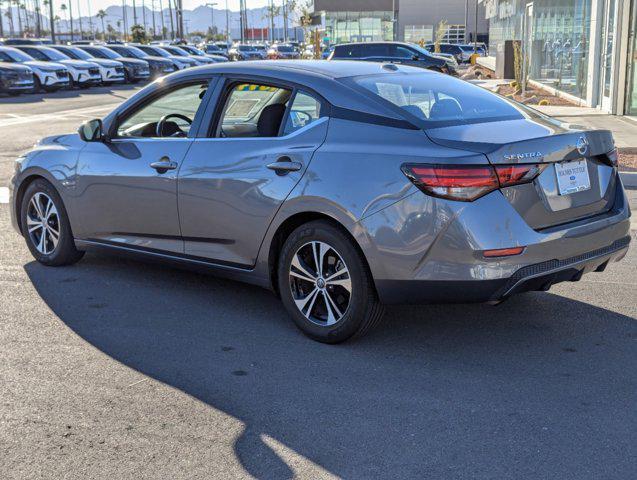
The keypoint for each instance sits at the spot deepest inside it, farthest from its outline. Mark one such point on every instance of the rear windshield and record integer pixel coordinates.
(439, 100)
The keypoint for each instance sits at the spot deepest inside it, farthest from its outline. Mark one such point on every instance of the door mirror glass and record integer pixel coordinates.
(91, 131)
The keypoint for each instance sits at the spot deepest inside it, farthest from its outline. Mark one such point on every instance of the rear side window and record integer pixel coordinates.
(305, 109)
(440, 100)
(253, 110)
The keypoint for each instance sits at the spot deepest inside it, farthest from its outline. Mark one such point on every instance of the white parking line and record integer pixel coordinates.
(4, 194)
(43, 117)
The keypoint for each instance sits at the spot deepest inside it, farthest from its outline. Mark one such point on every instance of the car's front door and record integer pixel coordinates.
(127, 186)
(233, 182)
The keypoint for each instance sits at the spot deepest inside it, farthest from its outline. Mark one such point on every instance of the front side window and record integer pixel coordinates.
(403, 52)
(170, 115)
(253, 110)
(439, 99)
(305, 109)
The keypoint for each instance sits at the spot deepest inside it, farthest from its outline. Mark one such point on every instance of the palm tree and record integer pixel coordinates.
(9, 15)
(17, 4)
(101, 14)
(63, 7)
(23, 7)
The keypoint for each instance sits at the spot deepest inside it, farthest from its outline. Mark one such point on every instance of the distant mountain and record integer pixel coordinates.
(198, 19)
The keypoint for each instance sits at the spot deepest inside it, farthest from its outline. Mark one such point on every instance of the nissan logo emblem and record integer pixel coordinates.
(582, 145)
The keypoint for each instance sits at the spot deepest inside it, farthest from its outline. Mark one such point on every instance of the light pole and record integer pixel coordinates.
(227, 23)
(212, 18)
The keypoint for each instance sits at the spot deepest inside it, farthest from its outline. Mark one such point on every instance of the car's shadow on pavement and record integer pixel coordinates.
(447, 391)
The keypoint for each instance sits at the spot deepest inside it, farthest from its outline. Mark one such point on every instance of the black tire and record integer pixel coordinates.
(37, 85)
(364, 309)
(64, 253)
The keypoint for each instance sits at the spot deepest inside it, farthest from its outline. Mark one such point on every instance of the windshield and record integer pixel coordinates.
(155, 51)
(192, 50)
(15, 55)
(285, 48)
(103, 52)
(440, 100)
(76, 53)
(131, 51)
(178, 51)
(53, 54)
(246, 48)
(420, 49)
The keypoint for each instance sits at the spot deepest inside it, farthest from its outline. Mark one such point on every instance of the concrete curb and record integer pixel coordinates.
(629, 179)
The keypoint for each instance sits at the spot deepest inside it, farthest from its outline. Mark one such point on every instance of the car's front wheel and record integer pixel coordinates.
(325, 284)
(46, 227)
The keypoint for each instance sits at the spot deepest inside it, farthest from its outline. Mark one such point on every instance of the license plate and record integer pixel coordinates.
(572, 177)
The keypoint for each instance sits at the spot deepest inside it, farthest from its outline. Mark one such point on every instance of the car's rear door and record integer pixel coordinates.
(127, 187)
(235, 178)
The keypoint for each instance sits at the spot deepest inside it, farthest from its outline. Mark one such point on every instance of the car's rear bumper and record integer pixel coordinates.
(426, 250)
(537, 277)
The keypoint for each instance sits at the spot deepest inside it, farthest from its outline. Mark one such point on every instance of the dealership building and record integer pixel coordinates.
(407, 20)
(584, 50)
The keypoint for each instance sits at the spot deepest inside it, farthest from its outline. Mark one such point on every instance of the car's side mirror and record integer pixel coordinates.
(416, 57)
(92, 131)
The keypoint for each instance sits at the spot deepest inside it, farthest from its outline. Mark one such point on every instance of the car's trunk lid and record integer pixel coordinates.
(543, 141)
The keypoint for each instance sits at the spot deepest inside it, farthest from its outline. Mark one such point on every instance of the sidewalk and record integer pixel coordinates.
(624, 129)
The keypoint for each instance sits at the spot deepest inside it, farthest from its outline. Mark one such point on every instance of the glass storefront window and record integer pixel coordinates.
(559, 44)
(343, 27)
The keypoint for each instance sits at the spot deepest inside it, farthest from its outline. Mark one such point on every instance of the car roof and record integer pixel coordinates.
(305, 68)
(375, 43)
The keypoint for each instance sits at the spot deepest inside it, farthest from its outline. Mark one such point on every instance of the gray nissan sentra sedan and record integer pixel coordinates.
(342, 186)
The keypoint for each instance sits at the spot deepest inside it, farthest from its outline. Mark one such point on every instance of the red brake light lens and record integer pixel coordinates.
(466, 183)
(456, 182)
(517, 174)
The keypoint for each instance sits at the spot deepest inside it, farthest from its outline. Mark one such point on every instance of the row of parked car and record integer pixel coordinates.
(29, 66)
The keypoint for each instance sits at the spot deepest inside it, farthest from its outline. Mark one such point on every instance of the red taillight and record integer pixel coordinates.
(516, 174)
(468, 182)
(457, 182)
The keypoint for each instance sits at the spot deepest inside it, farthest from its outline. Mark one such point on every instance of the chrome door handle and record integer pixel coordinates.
(284, 165)
(163, 165)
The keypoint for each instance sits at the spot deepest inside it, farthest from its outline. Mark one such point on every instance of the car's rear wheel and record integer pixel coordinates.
(46, 227)
(325, 284)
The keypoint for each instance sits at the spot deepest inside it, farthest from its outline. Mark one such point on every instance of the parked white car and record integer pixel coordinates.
(111, 71)
(83, 74)
(49, 76)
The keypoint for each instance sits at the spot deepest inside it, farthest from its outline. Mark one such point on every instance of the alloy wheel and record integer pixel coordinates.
(320, 282)
(43, 223)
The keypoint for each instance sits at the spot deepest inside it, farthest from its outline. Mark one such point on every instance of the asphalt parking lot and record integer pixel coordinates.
(118, 369)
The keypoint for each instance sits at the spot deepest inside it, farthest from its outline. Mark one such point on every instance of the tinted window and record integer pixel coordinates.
(253, 110)
(375, 50)
(440, 99)
(402, 52)
(305, 109)
(99, 53)
(15, 55)
(35, 53)
(347, 51)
